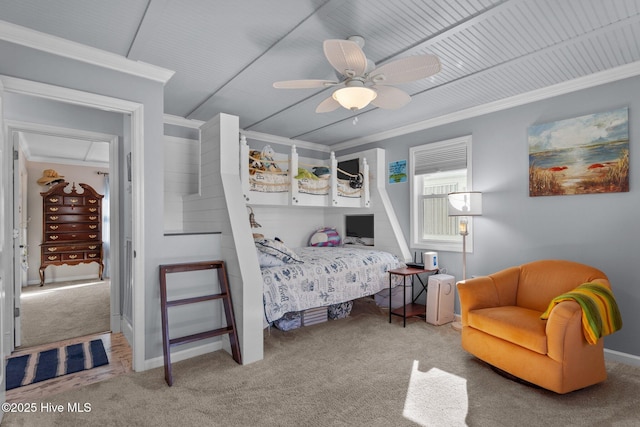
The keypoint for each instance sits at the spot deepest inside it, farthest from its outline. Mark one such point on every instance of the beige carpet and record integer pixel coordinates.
(59, 311)
(359, 371)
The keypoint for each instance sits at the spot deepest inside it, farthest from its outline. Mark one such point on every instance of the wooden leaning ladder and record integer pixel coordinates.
(224, 295)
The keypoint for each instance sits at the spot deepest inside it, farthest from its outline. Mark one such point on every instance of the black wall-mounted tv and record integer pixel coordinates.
(359, 226)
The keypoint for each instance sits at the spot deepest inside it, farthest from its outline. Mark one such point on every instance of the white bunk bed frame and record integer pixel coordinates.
(293, 197)
(220, 207)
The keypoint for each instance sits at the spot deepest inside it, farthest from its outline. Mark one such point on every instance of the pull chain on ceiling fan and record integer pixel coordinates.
(363, 83)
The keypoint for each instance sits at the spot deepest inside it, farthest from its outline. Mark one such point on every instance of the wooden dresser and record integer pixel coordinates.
(71, 227)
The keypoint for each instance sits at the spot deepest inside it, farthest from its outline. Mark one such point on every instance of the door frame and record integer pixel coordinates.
(13, 128)
(136, 134)
(20, 238)
(6, 272)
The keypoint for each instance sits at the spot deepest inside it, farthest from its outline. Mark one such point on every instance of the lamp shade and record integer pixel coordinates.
(467, 203)
(354, 97)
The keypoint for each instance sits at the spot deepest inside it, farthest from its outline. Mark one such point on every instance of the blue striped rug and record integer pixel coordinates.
(33, 368)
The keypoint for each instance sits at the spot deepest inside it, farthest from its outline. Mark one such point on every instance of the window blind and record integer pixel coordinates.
(440, 158)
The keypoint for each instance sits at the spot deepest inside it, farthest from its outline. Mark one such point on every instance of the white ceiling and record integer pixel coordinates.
(44, 147)
(227, 54)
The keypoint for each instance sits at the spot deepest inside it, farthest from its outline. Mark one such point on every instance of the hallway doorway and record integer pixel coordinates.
(133, 121)
(77, 157)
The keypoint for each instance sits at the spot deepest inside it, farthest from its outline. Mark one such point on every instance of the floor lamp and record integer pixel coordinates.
(464, 204)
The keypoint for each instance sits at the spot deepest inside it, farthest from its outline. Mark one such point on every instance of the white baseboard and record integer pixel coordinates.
(177, 356)
(116, 322)
(617, 356)
(127, 330)
(65, 279)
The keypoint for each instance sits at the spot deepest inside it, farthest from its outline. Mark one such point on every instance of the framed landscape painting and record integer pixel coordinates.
(582, 155)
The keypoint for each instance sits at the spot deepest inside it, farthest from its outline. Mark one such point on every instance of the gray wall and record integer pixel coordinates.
(181, 132)
(596, 229)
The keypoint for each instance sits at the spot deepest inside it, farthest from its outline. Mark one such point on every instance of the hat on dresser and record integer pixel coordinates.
(49, 176)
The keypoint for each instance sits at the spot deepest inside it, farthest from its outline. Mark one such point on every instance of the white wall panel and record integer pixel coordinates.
(181, 165)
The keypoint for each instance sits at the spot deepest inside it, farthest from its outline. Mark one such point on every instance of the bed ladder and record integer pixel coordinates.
(224, 295)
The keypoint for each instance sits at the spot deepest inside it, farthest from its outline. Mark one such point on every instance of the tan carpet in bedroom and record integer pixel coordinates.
(59, 311)
(350, 372)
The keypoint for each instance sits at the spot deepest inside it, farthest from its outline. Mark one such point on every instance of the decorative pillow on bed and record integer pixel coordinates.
(326, 236)
(321, 171)
(277, 249)
(265, 260)
(303, 173)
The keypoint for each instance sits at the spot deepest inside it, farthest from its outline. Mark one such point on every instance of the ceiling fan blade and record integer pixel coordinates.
(327, 105)
(303, 84)
(390, 98)
(345, 56)
(406, 70)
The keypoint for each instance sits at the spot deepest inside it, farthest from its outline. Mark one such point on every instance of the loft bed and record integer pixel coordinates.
(267, 178)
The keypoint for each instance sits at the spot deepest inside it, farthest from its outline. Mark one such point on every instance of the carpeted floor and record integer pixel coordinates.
(358, 371)
(64, 310)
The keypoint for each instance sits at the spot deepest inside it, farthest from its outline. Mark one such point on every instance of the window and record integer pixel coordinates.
(438, 169)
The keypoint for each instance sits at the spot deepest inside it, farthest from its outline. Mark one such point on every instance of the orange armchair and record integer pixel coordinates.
(501, 324)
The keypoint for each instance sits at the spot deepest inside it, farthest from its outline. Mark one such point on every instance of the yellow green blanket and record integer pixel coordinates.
(600, 314)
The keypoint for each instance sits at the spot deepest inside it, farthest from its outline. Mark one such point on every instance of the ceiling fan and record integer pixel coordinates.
(361, 82)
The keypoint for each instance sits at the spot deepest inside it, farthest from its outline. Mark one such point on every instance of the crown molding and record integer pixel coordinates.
(586, 82)
(61, 47)
(170, 119)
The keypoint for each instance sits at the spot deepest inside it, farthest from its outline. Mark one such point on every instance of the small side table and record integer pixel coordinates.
(412, 309)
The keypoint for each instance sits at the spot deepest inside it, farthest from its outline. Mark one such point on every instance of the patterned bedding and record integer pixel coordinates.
(329, 275)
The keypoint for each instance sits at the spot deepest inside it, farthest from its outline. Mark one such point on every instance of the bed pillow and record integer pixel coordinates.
(265, 260)
(277, 249)
(303, 173)
(322, 171)
(326, 236)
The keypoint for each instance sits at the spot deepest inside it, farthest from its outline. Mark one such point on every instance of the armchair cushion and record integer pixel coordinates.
(518, 325)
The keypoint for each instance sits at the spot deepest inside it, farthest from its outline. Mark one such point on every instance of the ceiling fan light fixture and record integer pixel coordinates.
(354, 98)
(361, 81)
